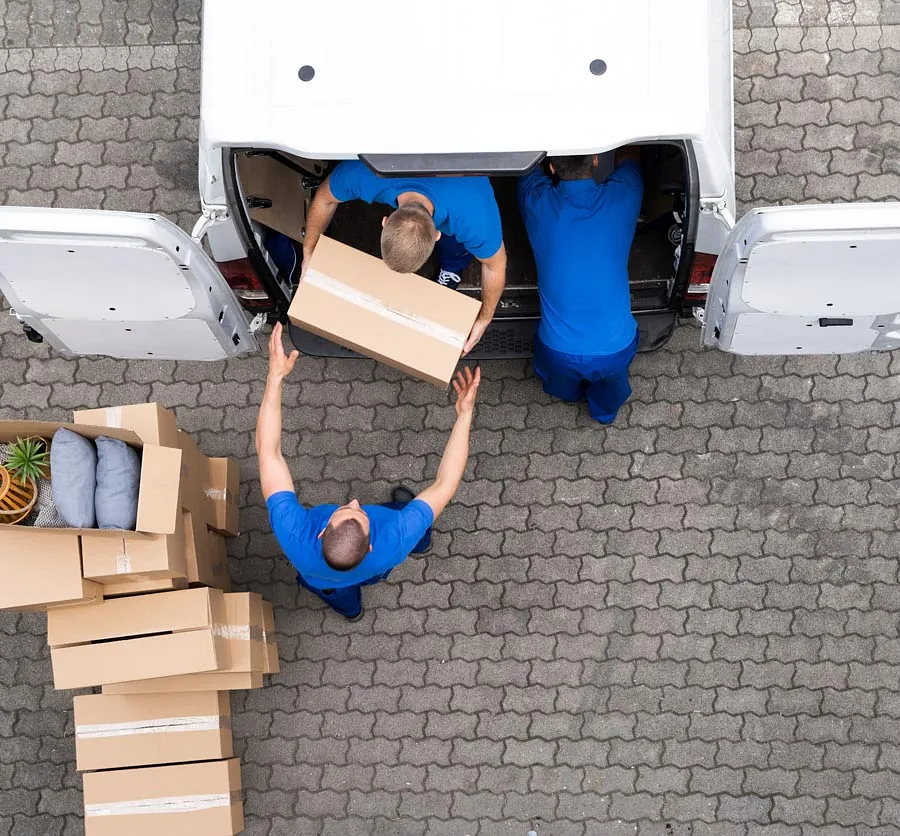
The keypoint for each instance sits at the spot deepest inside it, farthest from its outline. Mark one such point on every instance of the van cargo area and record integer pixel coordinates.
(664, 232)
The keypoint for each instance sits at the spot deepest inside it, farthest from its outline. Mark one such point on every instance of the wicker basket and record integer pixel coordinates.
(16, 500)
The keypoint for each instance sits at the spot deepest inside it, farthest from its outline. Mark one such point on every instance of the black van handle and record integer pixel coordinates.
(832, 321)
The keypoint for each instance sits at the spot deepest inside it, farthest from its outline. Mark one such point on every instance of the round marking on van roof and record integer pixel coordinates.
(306, 73)
(598, 66)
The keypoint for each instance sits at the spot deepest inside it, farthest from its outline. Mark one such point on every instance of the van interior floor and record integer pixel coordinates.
(652, 256)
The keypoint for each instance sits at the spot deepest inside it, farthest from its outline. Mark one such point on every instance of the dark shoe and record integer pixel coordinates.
(448, 279)
(356, 617)
(402, 495)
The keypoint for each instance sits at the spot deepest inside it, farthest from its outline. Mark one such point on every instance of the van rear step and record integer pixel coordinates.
(506, 339)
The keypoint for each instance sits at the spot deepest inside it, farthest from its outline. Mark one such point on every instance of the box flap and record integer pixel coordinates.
(153, 423)
(40, 571)
(207, 778)
(187, 609)
(159, 509)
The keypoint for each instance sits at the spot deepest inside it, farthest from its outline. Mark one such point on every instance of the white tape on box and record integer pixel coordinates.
(371, 303)
(164, 725)
(240, 632)
(170, 804)
(123, 565)
(114, 417)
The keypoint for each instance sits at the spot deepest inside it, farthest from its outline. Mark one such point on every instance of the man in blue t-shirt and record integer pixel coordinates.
(581, 234)
(336, 549)
(460, 214)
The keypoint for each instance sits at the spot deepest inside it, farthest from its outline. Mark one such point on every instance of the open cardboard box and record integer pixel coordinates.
(242, 628)
(193, 799)
(114, 732)
(40, 564)
(139, 637)
(403, 320)
(209, 486)
(273, 665)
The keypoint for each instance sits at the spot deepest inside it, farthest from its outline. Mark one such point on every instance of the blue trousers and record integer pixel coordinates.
(601, 378)
(452, 256)
(347, 600)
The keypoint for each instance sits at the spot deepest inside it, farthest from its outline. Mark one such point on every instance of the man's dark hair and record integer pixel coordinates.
(345, 545)
(579, 167)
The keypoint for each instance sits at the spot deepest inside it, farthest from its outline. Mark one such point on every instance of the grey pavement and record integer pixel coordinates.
(684, 624)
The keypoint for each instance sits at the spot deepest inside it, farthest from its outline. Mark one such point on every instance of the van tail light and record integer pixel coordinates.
(701, 275)
(243, 280)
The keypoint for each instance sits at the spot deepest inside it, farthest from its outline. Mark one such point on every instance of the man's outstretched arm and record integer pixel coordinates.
(456, 453)
(321, 211)
(274, 473)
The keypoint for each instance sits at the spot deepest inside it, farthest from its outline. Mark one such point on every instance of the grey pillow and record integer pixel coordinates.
(73, 477)
(118, 484)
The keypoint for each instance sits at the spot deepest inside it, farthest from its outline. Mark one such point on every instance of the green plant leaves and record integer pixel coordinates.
(27, 459)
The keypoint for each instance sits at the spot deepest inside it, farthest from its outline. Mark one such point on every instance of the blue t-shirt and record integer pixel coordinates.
(464, 207)
(581, 234)
(393, 534)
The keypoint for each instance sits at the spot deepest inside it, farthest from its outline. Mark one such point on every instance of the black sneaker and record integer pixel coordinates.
(448, 279)
(402, 495)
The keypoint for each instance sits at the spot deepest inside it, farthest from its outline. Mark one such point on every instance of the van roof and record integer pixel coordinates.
(333, 80)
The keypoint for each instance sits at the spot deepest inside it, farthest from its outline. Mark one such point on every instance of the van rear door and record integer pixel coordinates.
(818, 279)
(118, 284)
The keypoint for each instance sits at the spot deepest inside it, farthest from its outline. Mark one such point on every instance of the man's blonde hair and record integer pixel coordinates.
(407, 238)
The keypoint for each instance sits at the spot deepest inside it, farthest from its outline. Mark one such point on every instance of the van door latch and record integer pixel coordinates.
(834, 321)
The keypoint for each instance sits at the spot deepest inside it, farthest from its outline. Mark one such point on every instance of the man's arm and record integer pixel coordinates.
(321, 211)
(456, 453)
(628, 152)
(274, 474)
(493, 280)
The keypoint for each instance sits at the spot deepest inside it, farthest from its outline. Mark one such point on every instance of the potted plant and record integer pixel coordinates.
(26, 462)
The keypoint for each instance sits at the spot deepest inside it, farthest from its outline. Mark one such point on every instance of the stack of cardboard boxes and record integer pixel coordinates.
(148, 616)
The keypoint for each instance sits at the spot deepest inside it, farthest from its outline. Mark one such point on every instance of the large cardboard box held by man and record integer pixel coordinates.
(404, 320)
(113, 732)
(30, 555)
(139, 637)
(242, 628)
(194, 799)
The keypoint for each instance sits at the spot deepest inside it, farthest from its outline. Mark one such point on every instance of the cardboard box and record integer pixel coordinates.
(210, 486)
(404, 320)
(152, 423)
(112, 732)
(194, 799)
(206, 554)
(142, 587)
(243, 630)
(273, 665)
(140, 637)
(158, 505)
(138, 558)
(37, 574)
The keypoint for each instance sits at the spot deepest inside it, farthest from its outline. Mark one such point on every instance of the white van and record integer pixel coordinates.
(477, 87)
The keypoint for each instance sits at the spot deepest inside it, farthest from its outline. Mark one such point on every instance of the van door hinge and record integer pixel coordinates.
(209, 216)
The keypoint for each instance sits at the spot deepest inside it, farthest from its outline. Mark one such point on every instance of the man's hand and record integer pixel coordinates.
(465, 384)
(475, 335)
(280, 364)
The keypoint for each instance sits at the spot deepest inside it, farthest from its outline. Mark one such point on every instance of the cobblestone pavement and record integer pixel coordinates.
(686, 624)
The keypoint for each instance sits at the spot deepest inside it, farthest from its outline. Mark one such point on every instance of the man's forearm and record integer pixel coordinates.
(321, 211)
(493, 281)
(268, 425)
(456, 454)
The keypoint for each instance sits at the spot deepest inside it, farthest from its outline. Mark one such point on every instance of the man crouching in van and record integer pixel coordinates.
(581, 234)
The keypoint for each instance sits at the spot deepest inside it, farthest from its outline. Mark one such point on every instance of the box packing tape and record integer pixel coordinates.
(371, 303)
(212, 722)
(114, 417)
(123, 565)
(170, 804)
(240, 632)
(219, 494)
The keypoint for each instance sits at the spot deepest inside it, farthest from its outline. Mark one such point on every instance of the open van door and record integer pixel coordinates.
(808, 280)
(119, 284)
